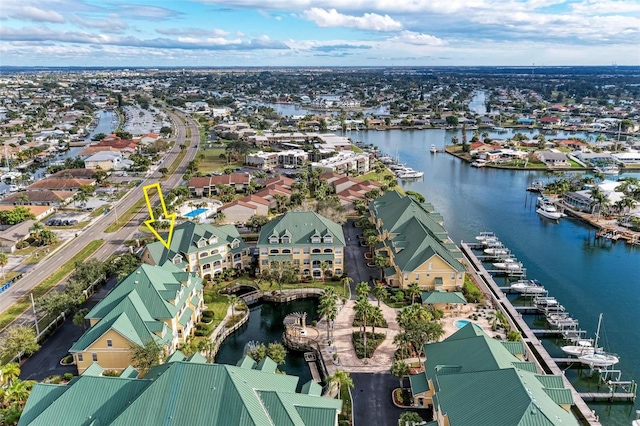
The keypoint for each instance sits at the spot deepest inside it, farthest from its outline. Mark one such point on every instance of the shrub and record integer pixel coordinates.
(208, 315)
(110, 373)
(68, 376)
(373, 341)
(67, 359)
(208, 298)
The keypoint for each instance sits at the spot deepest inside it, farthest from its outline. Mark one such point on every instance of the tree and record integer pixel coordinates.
(409, 418)
(362, 290)
(276, 351)
(9, 372)
(147, 356)
(4, 260)
(328, 306)
(81, 197)
(380, 293)
(346, 281)
(233, 300)
(342, 379)
(371, 241)
(381, 262)
(400, 369)
(280, 272)
(163, 171)
(452, 120)
(413, 290)
(19, 340)
(79, 318)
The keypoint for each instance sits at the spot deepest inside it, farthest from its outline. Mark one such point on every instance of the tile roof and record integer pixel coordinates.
(72, 183)
(38, 196)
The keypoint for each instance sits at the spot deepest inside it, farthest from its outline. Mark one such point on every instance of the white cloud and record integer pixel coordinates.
(193, 32)
(112, 23)
(31, 13)
(368, 21)
(419, 39)
(595, 7)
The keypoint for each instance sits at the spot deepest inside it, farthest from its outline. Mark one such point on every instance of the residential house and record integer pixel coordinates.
(11, 235)
(73, 173)
(106, 160)
(38, 198)
(90, 150)
(39, 212)
(205, 249)
(149, 138)
(272, 193)
(415, 244)
(262, 160)
(152, 304)
(553, 159)
(206, 186)
(68, 184)
(571, 143)
(471, 378)
(308, 240)
(240, 211)
(183, 391)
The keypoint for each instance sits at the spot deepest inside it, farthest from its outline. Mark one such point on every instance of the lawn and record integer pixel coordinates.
(126, 217)
(211, 161)
(47, 284)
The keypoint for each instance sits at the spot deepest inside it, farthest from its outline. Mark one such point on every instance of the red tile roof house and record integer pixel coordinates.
(571, 143)
(549, 120)
(268, 194)
(240, 211)
(278, 180)
(39, 198)
(206, 186)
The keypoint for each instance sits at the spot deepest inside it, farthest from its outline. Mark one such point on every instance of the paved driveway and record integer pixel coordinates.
(46, 362)
(372, 403)
(354, 257)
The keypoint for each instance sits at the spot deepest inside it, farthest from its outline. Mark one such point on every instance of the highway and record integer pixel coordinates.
(95, 231)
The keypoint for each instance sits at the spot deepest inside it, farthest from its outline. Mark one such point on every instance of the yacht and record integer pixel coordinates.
(409, 174)
(609, 169)
(433, 149)
(496, 251)
(486, 235)
(528, 286)
(549, 211)
(508, 264)
(599, 358)
(581, 347)
(479, 163)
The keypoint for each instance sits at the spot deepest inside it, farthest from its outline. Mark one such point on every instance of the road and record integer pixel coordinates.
(372, 399)
(95, 231)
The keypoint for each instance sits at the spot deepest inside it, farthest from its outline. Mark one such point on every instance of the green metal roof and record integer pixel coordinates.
(416, 234)
(516, 348)
(137, 306)
(432, 297)
(481, 382)
(300, 227)
(186, 236)
(419, 383)
(181, 393)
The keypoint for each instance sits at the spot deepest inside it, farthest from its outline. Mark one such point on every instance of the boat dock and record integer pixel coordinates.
(535, 351)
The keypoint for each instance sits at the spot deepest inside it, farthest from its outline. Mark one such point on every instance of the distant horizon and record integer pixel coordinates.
(417, 66)
(293, 33)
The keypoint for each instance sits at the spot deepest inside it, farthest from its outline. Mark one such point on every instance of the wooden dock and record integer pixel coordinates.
(534, 350)
(608, 396)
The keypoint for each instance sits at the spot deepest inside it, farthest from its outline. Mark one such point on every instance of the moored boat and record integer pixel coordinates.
(433, 149)
(496, 251)
(528, 286)
(599, 358)
(509, 264)
(549, 211)
(581, 347)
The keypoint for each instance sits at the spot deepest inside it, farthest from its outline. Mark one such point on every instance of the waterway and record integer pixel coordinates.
(289, 110)
(587, 276)
(265, 325)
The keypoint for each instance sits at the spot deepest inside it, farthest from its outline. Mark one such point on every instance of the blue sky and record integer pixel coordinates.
(319, 32)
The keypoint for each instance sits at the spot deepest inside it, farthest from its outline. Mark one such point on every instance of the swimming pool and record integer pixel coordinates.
(460, 323)
(197, 212)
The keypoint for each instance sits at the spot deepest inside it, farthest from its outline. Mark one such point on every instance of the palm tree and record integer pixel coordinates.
(324, 267)
(79, 318)
(400, 369)
(346, 281)
(328, 306)
(341, 378)
(81, 197)
(9, 372)
(362, 290)
(413, 290)
(4, 260)
(375, 317)
(371, 241)
(381, 262)
(380, 293)
(403, 341)
(36, 230)
(233, 299)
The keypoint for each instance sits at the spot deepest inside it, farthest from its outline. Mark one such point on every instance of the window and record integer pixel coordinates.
(273, 239)
(180, 333)
(235, 244)
(328, 250)
(316, 251)
(286, 251)
(213, 240)
(286, 240)
(204, 254)
(406, 277)
(430, 266)
(306, 250)
(296, 250)
(264, 251)
(215, 251)
(338, 261)
(338, 250)
(315, 240)
(79, 357)
(417, 277)
(109, 343)
(307, 261)
(296, 262)
(453, 276)
(459, 275)
(328, 239)
(94, 356)
(274, 251)
(177, 259)
(201, 243)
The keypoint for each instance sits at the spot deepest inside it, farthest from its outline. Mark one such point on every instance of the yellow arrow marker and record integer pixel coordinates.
(171, 217)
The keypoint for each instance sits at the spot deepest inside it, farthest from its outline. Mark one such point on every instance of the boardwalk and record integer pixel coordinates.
(535, 351)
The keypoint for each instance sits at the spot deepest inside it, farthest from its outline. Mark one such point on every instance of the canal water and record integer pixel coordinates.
(586, 275)
(265, 325)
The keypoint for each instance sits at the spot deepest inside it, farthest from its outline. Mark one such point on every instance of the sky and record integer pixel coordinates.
(222, 33)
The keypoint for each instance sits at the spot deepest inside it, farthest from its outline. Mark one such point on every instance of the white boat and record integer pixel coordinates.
(509, 264)
(581, 347)
(609, 169)
(409, 174)
(433, 149)
(528, 286)
(479, 163)
(549, 211)
(496, 251)
(599, 358)
(486, 235)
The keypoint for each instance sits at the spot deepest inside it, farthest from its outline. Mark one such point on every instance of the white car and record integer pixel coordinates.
(289, 166)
